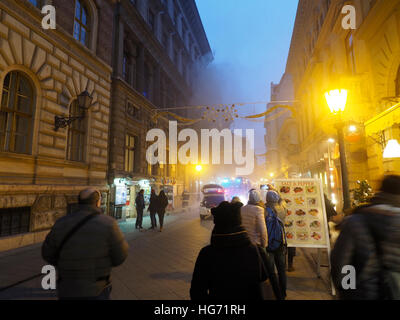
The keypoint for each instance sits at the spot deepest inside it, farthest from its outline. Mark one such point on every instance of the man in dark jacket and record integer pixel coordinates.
(153, 206)
(370, 242)
(140, 205)
(162, 206)
(230, 268)
(85, 261)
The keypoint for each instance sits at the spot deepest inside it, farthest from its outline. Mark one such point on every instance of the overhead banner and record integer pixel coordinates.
(306, 222)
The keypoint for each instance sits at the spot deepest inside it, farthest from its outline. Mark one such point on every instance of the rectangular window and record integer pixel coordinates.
(14, 221)
(152, 20)
(76, 135)
(132, 111)
(36, 3)
(130, 147)
(351, 58)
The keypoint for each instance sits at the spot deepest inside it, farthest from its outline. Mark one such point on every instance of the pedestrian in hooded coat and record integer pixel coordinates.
(231, 267)
(162, 206)
(370, 242)
(277, 256)
(153, 206)
(140, 205)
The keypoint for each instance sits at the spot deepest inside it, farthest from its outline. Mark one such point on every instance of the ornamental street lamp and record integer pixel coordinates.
(84, 103)
(199, 168)
(337, 100)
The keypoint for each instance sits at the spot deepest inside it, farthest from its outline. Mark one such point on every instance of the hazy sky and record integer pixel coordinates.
(250, 40)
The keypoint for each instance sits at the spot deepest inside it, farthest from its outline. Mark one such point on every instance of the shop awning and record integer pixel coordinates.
(384, 120)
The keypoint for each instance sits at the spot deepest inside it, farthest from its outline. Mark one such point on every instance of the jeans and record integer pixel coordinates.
(291, 255)
(139, 219)
(278, 259)
(153, 219)
(161, 218)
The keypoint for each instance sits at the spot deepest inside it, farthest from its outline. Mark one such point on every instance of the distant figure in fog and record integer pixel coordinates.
(153, 206)
(140, 205)
(370, 241)
(85, 257)
(230, 268)
(162, 206)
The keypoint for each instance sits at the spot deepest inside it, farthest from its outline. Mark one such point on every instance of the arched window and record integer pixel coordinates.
(397, 85)
(82, 23)
(76, 134)
(17, 114)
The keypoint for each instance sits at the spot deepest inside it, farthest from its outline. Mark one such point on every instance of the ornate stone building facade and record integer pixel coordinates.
(365, 61)
(42, 73)
(157, 47)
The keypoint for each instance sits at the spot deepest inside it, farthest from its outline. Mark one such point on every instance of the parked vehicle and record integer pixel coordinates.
(213, 195)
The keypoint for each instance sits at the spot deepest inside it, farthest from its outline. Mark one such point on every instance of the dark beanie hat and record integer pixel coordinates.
(391, 184)
(227, 215)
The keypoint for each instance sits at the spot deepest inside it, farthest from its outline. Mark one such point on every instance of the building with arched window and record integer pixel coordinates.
(42, 73)
(366, 62)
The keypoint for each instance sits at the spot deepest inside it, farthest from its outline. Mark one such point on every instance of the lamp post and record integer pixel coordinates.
(84, 103)
(337, 100)
(198, 169)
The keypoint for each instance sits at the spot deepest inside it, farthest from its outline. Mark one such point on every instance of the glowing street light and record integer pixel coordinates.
(336, 100)
(271, 174)
(352, 128)
(392, 149)
(199, 168)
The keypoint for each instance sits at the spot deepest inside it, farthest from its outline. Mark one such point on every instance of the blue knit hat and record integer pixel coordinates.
(272, 197)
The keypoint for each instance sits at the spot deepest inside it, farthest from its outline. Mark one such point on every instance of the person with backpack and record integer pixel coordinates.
(84, 245)
(277, 245)
(370, 243)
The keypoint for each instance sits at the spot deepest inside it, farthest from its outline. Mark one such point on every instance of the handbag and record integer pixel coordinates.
(265, 287)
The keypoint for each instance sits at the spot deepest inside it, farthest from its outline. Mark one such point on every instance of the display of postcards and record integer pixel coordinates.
(299, 201)
(311, 190)
(312, 202)
(315, 225)
(298, 190)
(313, 212)
(317, 236)
(289, 223)
(302, 236)
(284, 189)
(301, 223)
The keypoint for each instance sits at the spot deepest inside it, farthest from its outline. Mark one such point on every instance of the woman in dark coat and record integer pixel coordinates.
(230, 268)
(153, 206)
(162, 206)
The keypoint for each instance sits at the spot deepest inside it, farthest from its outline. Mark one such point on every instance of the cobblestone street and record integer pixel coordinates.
(159, 265)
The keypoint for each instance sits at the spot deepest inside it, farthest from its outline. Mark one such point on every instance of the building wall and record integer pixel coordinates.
(60, 68)
(320, 60)
(159, 43)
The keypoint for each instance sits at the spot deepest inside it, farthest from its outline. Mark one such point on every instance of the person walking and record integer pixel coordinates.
(153, 209)
(140, 205)
(231, 267)
(84, 246)
(274, 217)
(370, 242)
(162, 206)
